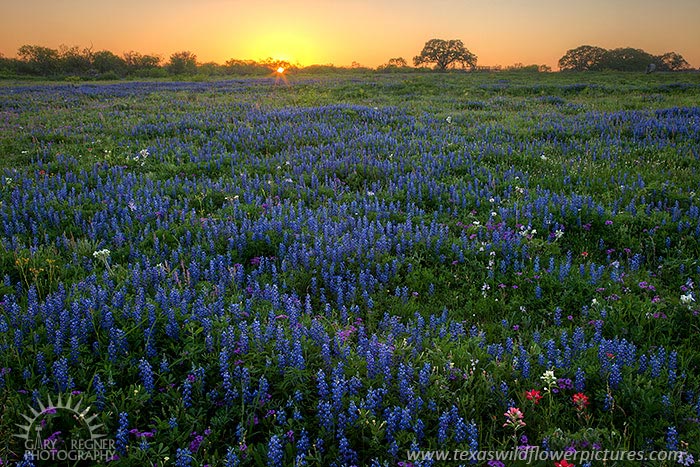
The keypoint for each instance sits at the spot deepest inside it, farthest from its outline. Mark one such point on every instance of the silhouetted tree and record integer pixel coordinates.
(182, 63)
(135, 61)
(245, 67)
(398, 62)
(39, 60)
(74, 61)
(445, 54)
(529, 68)
(105, 61)
(393, 65)
(583, 58)
(672, 61)
(588, 57)
(626, 59)
(273, 64)
(211, 69)
(6, 64)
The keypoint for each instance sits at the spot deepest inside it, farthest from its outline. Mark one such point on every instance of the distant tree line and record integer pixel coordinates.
(34, 60)
(591, 58)
(437, 54)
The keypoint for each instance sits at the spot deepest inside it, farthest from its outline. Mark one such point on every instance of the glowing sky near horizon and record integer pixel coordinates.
(369, 32)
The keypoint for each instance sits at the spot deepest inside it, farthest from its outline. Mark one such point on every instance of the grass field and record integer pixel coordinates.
(350, 270)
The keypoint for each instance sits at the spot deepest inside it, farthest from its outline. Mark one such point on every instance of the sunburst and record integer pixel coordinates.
(82, 414)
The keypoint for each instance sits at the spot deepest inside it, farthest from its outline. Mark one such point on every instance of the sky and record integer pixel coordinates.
(369, 32)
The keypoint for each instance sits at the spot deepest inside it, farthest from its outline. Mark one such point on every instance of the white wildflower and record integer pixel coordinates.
(484, 290)
(102, 255)
(549, 379)
(687, 299)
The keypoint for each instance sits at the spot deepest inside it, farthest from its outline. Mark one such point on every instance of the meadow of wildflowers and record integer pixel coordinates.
(337, 271)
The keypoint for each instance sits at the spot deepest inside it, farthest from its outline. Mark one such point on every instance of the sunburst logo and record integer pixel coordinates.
(63, 418)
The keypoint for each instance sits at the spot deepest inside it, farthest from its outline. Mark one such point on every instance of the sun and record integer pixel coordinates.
(280, 70)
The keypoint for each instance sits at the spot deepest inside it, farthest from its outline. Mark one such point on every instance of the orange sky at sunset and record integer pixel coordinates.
(499, 32)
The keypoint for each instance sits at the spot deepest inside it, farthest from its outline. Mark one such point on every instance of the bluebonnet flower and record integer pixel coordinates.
(100, 392)
(580, 380)
(524, 362)
(608, 402)
(325, 415)
(461, 429)
(504, 393)
(187, 391)
(671, 438)
(419, 429)
(424, 376)
(443, 427)
(62, 378)
(615, 376)
(656, 366)
(473, 437)
(183, 457)
(144, 444)
(232, 459)
(275, 451)
(122, 438)
(557, 316)
(26, 460)
(146, 375)
(349, 456)
(393, 448)
(686, 459)
(41, 363)
(666, 402)
(671, 378)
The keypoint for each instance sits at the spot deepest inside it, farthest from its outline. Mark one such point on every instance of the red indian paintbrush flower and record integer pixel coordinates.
(580, 401)
(514, 418)
(533, 395)
(563, 463)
